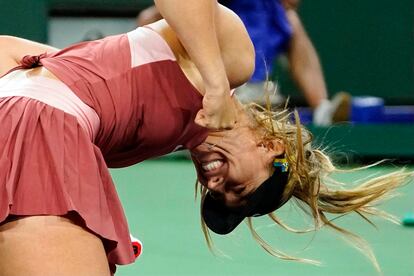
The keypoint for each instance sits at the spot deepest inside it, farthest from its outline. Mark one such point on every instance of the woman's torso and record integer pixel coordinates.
(145, 102)
(147, 108)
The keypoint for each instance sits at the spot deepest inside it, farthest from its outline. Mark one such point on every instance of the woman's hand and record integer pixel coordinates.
(218, 112)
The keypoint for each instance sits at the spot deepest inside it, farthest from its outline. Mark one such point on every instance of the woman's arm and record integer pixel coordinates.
(13, 49)
(194, 22)
(305, 66)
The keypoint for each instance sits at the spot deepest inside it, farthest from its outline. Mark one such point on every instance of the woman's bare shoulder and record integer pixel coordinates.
(17, 47)
(236, 47)
(13, 49)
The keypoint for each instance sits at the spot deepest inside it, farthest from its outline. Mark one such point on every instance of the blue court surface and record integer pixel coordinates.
(158, 198)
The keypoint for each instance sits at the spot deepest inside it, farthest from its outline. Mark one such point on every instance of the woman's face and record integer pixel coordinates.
(233, 163)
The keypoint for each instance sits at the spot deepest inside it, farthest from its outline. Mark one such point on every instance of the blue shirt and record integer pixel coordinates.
(269, 29)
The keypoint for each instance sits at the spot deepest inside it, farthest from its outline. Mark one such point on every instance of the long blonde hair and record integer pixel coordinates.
(311, 186)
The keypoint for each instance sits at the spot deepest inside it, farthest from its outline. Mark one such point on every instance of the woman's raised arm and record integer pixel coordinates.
(194, 22)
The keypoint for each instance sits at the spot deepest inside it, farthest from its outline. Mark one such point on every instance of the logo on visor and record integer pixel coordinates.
(282, 163)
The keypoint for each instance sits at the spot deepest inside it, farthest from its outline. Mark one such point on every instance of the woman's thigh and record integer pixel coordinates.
(49, 246)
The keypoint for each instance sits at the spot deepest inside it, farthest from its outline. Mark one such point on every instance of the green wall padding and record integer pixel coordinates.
(366, 47)
(127, 6)
(24, 18)
(367, 140)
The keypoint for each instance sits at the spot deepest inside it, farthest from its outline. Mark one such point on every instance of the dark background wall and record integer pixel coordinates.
(366, 47)
(25, 18)
(99, 7)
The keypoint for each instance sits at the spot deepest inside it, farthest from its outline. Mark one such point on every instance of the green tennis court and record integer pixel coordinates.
(158, 197)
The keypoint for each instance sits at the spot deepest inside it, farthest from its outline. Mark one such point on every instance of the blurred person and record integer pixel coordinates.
(275, 29)
(67, 115)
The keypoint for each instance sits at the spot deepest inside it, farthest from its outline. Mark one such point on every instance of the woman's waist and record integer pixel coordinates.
(41, 85)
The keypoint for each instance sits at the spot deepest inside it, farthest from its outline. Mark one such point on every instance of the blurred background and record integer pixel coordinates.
(366, 48)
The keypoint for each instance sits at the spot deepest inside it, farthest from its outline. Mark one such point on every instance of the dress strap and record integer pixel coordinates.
(28, 62)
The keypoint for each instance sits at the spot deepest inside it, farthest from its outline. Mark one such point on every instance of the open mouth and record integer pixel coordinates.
(212, 165)
(209, 162)
(213, 168)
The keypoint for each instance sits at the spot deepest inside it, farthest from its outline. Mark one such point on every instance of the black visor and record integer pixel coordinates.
(268, 197)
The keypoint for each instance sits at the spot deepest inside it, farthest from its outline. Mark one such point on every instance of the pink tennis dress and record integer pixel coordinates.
(121, 100)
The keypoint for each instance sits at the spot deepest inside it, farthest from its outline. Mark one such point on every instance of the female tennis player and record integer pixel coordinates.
(67, 115)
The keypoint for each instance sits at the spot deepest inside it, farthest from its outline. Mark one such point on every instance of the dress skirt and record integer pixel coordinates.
(49, 165)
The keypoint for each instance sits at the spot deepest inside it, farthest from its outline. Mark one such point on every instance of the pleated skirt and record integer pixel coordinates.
(49, 165)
